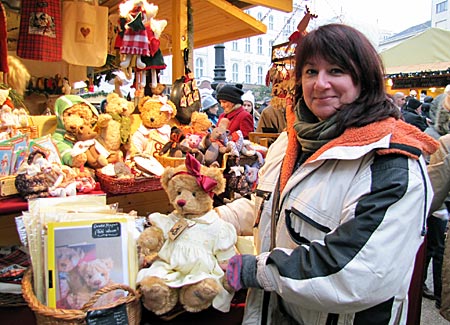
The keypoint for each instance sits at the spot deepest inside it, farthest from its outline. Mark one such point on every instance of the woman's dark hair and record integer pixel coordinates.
(352, 51)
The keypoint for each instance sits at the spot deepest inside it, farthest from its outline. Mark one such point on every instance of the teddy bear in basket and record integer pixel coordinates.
(188, 245)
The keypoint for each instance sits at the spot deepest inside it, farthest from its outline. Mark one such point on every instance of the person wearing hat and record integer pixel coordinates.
(249, 105)
(210, 106)
(230, 99)
(413, 114)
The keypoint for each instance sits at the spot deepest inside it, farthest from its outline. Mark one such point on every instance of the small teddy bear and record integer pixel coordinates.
(190, 243)
(86, 143)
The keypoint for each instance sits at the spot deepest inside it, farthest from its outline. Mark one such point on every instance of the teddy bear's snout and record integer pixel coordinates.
(152, 119)
(181, 202)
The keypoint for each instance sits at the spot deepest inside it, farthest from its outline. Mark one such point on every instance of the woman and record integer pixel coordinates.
(248, 102)
(334, 228)
(229, 97)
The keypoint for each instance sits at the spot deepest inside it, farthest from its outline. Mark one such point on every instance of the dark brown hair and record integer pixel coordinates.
(352, 51)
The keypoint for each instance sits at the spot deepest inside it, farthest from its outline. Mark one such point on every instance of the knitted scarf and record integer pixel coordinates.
(306, 133)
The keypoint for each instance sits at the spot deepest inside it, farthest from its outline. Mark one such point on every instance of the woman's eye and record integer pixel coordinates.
(310, 72)
(337, 71)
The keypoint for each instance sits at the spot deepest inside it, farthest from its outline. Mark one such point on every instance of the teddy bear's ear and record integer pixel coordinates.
(167, 176)
(217, 175)
(142, 102)
(174, 109)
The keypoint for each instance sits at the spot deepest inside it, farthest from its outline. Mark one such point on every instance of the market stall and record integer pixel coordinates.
(421, 63)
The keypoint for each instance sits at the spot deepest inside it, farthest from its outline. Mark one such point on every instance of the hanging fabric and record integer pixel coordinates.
(40, 35)
(85, 33)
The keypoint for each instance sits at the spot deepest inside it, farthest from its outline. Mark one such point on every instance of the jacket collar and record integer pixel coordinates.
(386, 137)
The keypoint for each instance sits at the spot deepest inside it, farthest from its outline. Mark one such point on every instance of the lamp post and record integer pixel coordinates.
(219, 68)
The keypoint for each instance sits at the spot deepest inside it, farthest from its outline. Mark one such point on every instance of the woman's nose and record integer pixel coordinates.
(322, 80)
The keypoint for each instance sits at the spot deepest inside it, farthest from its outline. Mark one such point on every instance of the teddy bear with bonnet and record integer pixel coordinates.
(153, 132)
(72, 111)
(187, 247)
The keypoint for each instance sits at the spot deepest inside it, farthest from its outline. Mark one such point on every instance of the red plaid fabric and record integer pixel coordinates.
(3, 41)
(40, 34)
(135, 43)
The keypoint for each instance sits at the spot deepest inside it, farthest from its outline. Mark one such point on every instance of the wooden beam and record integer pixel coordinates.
(179, 36)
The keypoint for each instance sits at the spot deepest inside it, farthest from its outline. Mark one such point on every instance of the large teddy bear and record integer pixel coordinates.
(153, 133)
(72, 111)
(190, 243)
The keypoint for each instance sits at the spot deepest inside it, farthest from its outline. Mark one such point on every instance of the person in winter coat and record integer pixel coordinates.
(439, 173)
(413, 114)
(229, 97)
(335, 234)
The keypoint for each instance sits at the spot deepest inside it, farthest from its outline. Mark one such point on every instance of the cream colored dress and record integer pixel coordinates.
(195, 254)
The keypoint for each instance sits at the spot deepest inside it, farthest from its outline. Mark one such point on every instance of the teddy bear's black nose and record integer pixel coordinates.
(181, 202)
(152, 119)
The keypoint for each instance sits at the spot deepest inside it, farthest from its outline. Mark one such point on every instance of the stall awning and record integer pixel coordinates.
(427, 51)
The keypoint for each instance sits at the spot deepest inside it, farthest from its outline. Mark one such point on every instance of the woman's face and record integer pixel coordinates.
(214, 109)
(226, 105)
(326, 87)
(248, 106)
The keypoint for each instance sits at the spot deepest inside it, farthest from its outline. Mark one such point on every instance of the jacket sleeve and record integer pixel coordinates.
(439, 173)
(246, 125)
(240, 213)
(367, 259)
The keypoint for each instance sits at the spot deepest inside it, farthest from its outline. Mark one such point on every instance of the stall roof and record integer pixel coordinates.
(214, 21)
(427, 51)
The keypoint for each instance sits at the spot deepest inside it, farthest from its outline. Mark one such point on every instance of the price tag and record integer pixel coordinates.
(111, 316)
(177, 229)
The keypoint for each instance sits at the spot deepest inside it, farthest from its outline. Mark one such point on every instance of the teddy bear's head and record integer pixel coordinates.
(191, 187)
(118, 105)
(72, 111)
(85, 132)
(200, 122)
(156, 111)
(96, 273)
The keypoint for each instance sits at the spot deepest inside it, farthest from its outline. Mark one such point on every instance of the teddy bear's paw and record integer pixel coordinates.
(157, 296)
(199, 296)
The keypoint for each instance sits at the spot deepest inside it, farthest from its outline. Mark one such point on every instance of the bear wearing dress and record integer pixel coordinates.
(191, 243)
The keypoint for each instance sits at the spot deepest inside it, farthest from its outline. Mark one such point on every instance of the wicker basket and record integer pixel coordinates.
(114, 185)
(8, 186)
(53, 316)
(167, 161)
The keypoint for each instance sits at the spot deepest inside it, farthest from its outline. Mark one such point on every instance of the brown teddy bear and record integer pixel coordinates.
(86, 143)
(121, 111)
(72, 111)
(153, 133)
(190, 243)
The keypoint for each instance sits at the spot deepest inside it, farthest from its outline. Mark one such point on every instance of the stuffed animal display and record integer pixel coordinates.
(186, 247)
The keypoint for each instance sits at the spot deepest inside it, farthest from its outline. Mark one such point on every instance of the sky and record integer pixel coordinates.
(394, 15)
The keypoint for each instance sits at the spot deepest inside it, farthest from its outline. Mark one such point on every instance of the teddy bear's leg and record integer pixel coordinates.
(157, 296)
(199, 296)
(126, 63)
(139, 63)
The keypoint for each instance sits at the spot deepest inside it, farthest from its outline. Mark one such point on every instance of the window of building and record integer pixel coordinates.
(270, 22)
(248, 74)
(260, 75)
(234, 45)
(260, 45)
(270, 48)
(441, 6)
(235, 72)
(198, 67)
(259, 16)
(247, 45)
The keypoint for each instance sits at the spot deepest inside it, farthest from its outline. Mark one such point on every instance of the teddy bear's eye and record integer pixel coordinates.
(179, 192)
(194, 194)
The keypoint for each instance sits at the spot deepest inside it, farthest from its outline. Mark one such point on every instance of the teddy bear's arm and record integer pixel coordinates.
(149, 243)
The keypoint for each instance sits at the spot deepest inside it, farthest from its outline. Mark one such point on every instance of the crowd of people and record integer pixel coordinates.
(351, 250)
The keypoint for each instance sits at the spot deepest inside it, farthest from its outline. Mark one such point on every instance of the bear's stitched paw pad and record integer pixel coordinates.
(199, 296)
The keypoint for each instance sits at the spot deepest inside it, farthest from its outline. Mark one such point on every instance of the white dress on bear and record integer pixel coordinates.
(195, 254)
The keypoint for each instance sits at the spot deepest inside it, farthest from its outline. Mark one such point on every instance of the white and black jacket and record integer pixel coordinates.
(351, 220)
